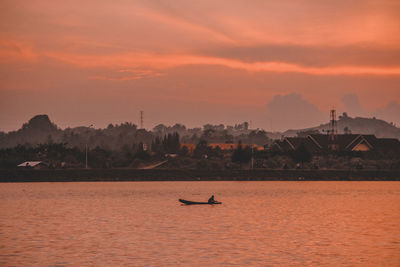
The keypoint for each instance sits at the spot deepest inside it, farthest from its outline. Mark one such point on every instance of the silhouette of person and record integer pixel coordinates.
(211, 199)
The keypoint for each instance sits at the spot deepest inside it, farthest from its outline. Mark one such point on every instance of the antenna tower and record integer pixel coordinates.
(332, 131)
(141, 119)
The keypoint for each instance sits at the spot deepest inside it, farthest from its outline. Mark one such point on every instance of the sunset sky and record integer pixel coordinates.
(280, 64)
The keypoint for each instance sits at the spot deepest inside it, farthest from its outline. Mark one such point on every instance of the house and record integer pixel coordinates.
(388, 146)
(231, 146)
(33, 165)
(222, 146)
(343, 142)
(362, 143)
(190, 147)
(292, 143)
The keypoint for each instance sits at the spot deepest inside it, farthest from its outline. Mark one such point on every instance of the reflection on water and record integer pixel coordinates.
(143, 224)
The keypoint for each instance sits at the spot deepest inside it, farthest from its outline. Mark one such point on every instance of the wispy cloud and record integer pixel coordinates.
(153, 63)
(231, 54)
(140, 60)
(180, 23)
(127, 75)
(11, 50)
(161, 35)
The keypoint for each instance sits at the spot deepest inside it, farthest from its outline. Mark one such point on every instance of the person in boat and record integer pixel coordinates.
(211, 199)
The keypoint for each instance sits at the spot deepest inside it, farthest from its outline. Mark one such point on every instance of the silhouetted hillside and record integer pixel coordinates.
(208, 148)
(39, 123)
(37, 130)
(40, 130)
(346, 124)
(125, 136)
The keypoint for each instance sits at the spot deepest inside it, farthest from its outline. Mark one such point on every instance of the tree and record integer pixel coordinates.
(201, 149)
(184, 151)
(141, 153)
(171, 143)
(302, 154)
(160, 129)
(241, 155)
(157, 146)
(99, 157)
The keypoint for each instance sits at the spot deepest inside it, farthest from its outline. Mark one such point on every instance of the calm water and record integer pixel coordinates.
(142, 224)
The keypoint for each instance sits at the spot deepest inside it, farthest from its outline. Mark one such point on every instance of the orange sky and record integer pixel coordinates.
(194, 62)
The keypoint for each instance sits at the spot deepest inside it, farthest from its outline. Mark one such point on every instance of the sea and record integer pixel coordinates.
(143, 224)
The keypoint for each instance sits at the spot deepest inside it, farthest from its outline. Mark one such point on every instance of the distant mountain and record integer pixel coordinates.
(39, 129)
(39, 123)
(346, 124)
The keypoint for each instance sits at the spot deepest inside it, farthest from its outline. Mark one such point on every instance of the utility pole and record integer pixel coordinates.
(332, 131)
(86, 150)
(141, 119)
(86, 164)
(252, 156)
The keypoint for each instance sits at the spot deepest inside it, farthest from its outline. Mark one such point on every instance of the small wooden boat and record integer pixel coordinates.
(188, 202)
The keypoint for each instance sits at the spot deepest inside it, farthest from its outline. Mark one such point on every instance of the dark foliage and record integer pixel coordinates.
(201, 149)
(123, 145)
(241, 154)
(302, 154)
(170, 144)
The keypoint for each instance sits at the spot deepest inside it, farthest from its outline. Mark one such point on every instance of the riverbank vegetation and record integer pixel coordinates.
(213, 147)
(178, 156)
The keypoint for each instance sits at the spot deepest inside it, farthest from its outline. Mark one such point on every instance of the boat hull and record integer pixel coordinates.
(188, 202)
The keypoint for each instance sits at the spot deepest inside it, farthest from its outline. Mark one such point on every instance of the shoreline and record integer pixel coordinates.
(93, 175)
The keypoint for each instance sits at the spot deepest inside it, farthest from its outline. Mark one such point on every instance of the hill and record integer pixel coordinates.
(358, 125)
(39, 129)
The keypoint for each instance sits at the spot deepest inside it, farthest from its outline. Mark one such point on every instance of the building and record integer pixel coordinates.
(344, 142)
(190, 147)
(33, 165)
(222, 146)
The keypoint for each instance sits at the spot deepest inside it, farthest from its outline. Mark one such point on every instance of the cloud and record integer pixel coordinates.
(390, 113)
(352, 105)
(178, 21)
(316, 56)
(330, 38)
(310, 23)
(292, 112)
(12, 50)
(127, 75)
(159, 61)
(209, 52)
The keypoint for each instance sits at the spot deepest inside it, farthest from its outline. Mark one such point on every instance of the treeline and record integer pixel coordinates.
(203, 156)
(40, 130)
(126, 146)
(61, 155)
(120, 145)
(170, 144)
